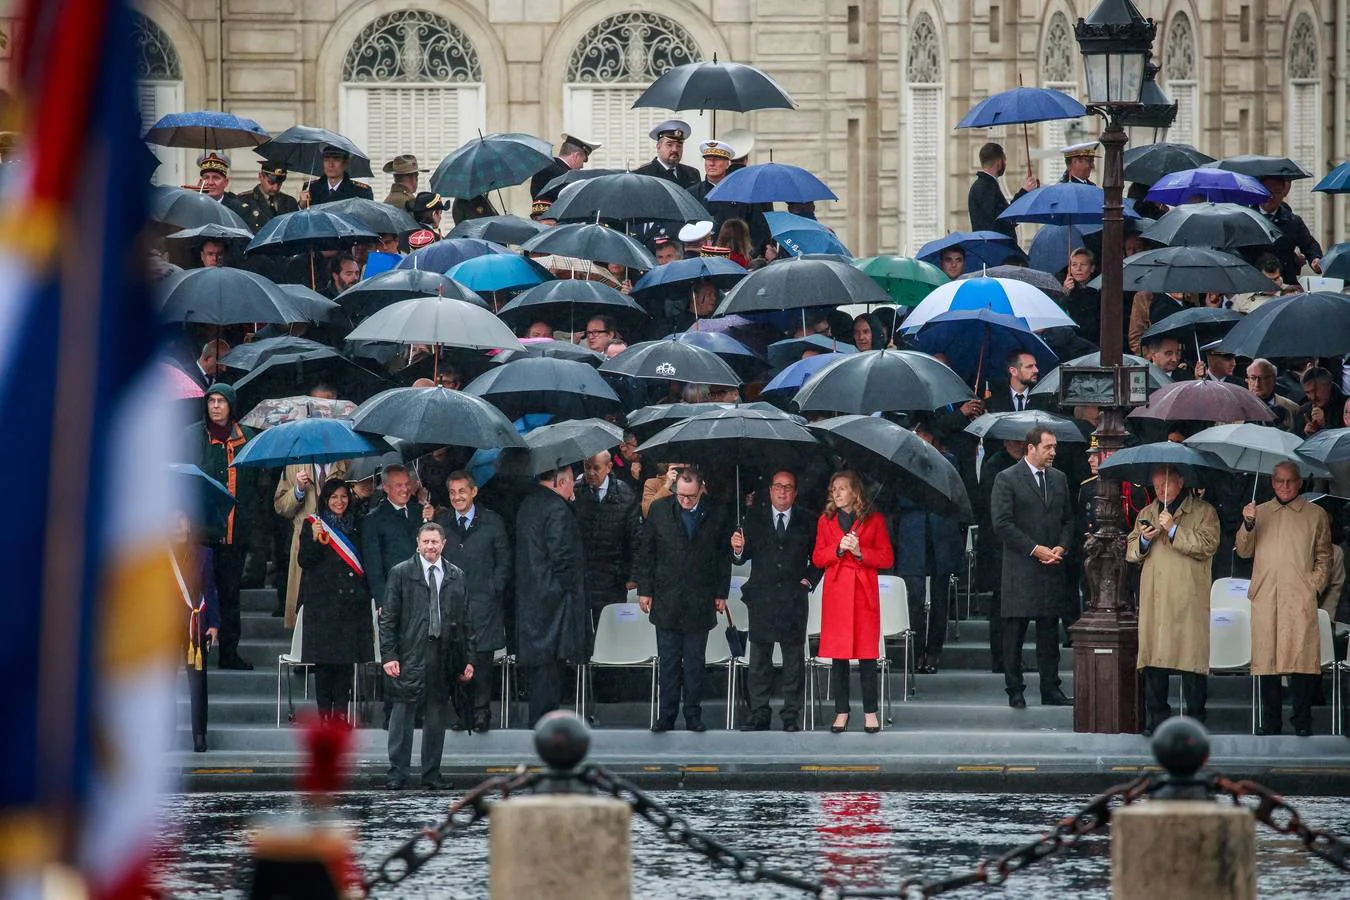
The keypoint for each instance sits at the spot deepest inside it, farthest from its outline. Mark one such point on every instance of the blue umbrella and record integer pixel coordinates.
(483, 464)
(976, 341)
(1050, 248)
(1065, 203)
(791, 379)
(498, 272)
(442, 256)
(722, 272)
(300, 149)
(307, 230)
(491, 162)
(770, 183)
(788, 351)
(1337, 181)
(718, 342)
(213, 500)
(799, 235)
(1336, 262)
(1214, 185)
(307, 441)
(205, 130)
(982, 248)
(1021, 106)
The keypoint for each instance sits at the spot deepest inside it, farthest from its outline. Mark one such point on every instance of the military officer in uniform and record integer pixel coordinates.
(404, 189)
(670, 136)
(213, 174)
(573, 153)
(335, 183)
(717, 157)
(1079, 160)
(266, 201)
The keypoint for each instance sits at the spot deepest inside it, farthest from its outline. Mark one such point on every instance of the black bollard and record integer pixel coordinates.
(562, 741)
(1181, 747)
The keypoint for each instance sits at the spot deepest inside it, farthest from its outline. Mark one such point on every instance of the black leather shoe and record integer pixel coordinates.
(839, 729)
(1303, 730)
(791, 727)
(1017, 701)
(235, 662)
(696, 726)
(872, 729)
(755, 725)
(394, 784)
(1055, 698)
(996, 669)
(199, 743)
(1263, 731)
(481, 724)
(1147, 731)
(662, 727)
(434, 784)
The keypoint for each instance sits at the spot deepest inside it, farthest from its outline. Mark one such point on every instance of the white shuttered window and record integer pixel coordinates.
(604, 114)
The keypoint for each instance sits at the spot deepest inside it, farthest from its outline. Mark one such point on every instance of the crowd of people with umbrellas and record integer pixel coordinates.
(686, 342)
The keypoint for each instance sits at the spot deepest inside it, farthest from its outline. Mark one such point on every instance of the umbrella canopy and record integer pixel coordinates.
(1213, 185)
(790, 350)
(1014, 426)
(307, 441)
(904, 463)
(770, 183)
(1337, 181)
(1000, 295)
(490, 162)
(1197, 326)
(220, 296)
(671, 360)
(1040, 279)
(1048, 383)
(189, 209)
(247, 357)
(1204, 401)
(1220, 226)
(790, 380)
(287, 374)
(436, 416)
(1336, 262)
(568, 390)
(437, 320)
(381, 218)
(179, 384)
(1136, 464)
(1263, 166)
(554, 186)
(750, 437)
(498, 272)
(627, 196)
(1022, 105)
(649, 420)
(213, 232)
(715, 85)
(1327, 447)
(798, 283)
(548, 348)
(744, 361)
(308, 230)
(1050, 248)
(722, 272)
(378, 291)
(300, 149)
(206, 130)
(800, 236)
(498, 229)
(1065, 203)
(562, 444)
(592, 241)
(214, 500)
(571, 267)
(567, 303)
(1150, 162)
(279, 411)
(981, 249)
(1254, 449)
(907, 281)
(976, 341)
(318, 309)
(442, 256)
(1191, 270)
(882, 381)
(1316, 324)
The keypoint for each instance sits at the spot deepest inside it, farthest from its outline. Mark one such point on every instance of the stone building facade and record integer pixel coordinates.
(879, 84)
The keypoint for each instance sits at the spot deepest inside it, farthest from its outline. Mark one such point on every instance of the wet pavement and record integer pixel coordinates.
(858, 837)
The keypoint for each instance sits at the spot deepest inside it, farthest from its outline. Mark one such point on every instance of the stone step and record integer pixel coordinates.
(257, 600)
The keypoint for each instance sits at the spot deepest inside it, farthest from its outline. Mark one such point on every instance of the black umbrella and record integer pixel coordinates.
(378, 291)
(801, 282)
(627, 197)
(554, 186)
(318, 308)
(1013, 426)
(1219, 226)
(567, 303)
(882, 381)
(1190, 270)
(1136, 464)
(189, 209)
(498, 229)
(308, 230)
(1200, 324)
(247, 357)
(670, 360)
(1150, 162)
(561, 444)
(235, 237)
(547, 348)
(1263, 166)
(381, 218)
(286, 374)
(437, 416)
(221, 296)
(648, 420)
(591, 241)
(300, 149)
(568, 390)
(715, 85)
(1316, 324)
(900, 461)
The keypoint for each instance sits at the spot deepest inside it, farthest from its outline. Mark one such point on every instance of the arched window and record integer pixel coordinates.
(924, 151)
(1179, 80)
(159, 91)
(1059, 54)
(411, 83)
(1305, 116)
(610, 67)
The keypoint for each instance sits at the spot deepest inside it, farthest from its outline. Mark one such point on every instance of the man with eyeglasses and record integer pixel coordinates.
(600, 331)
(779, 539)
(683, 574)
(1261, 382)
(266, 201)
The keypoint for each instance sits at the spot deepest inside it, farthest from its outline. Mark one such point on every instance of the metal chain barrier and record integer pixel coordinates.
(1272, 810)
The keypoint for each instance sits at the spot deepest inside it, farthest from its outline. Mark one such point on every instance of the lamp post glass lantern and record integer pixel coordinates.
(1116, 41)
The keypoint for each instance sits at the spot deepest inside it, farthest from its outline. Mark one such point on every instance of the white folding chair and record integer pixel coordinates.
(717, 653)
(893, 599)
(1326, 659)
(291, 660)
(624, 638)
(741, 570)
(506, 662)
(814, 603)
(1230, 646)
(1230, 593)
(1338, 714)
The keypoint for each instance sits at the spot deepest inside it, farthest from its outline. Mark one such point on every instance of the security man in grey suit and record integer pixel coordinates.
(1033, 517)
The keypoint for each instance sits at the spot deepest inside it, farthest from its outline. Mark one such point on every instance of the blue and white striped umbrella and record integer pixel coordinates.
(1002, 295)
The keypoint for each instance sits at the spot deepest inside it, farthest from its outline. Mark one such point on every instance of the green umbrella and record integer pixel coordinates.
(907, 280)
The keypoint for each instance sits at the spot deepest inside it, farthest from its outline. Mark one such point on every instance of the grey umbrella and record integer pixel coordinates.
(591, 241)
(319, 309)
(1254, 449)
(376, 292)
(437, 320)
(882, 381)
(213, 232)
(1219, 226)
(1315, 324)
(300, 149)
(627, 197)
(561, 444)
(1015, 425)
(505, 229)
(1262, 166)
(670, 360)
(221, 296)
(1191, 270)
(381, 218)
(189, 209)
(1150, 162)
(436, 416)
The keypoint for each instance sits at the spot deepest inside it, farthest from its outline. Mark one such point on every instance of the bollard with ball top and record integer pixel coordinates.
(1182, 845)
(561, 841)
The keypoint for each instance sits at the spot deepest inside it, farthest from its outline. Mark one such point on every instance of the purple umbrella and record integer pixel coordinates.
(1213, 185)
(1204, 401)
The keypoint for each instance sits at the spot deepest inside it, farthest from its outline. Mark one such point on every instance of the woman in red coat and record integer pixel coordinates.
(850, 548)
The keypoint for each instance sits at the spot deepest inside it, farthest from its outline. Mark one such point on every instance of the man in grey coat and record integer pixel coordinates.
(1033, 517)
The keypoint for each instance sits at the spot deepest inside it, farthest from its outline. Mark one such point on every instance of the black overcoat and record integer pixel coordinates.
(683, 576)
(774, 592)
(553, 623)
(483, 554)
(405, 619)
(336, 601)
(1022, 519)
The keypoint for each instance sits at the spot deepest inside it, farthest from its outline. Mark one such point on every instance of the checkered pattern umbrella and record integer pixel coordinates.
(491, 162)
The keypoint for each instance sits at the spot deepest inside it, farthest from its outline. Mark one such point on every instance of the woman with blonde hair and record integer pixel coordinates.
(852, 544)
(735, 236)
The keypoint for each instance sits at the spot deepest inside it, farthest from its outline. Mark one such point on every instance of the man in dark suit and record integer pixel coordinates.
(335, 183)
(476, 543)
(573, 153)
(779, 540)
(988, 548)
(683, 572)
(985, 201)
(1032, 512)
(423, 651)
(1014, 395)
(389, 533)
(266, 201)
(607, 511)
(670, 136)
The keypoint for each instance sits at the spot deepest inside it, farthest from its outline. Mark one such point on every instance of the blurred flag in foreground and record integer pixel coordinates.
(90, 640)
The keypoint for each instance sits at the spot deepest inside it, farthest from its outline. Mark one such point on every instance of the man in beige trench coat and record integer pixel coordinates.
(1290, 539)
(1174, 537)
(296, 499)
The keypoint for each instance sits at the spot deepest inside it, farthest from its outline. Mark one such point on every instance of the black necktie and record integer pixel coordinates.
(781, 527)
(1021, 403)
(434, 626)
(463, 523)
(1040, 479)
